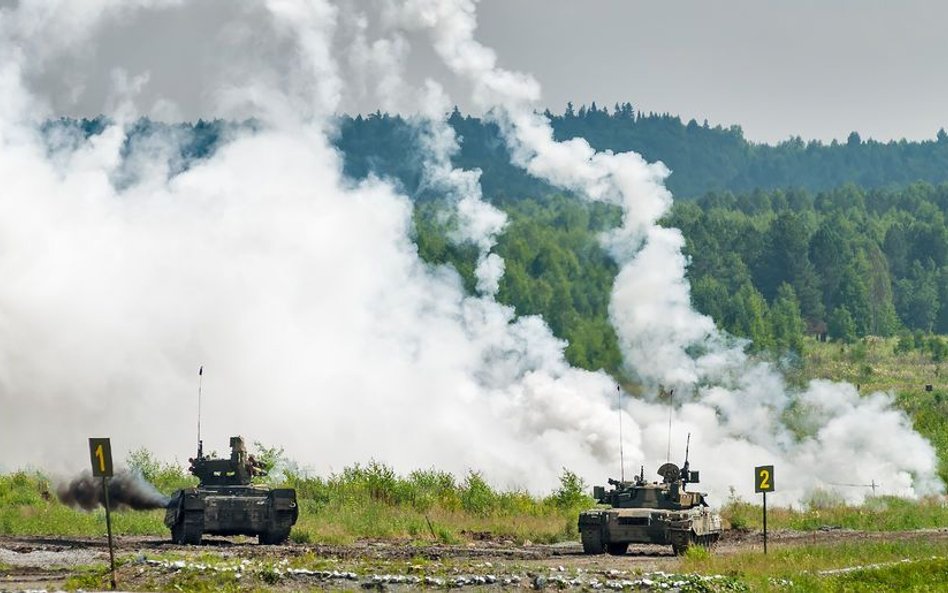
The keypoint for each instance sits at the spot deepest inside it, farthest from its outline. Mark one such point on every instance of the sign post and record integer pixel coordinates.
(100, 452)
(764, 482)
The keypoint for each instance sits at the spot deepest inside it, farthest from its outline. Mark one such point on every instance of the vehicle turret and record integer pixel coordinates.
(670, 493)
(239, 469)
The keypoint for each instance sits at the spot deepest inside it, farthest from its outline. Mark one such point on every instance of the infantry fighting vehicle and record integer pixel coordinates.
(226, 502)
(640, 512)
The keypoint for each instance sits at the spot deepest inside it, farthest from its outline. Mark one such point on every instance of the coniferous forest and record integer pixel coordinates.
(839, 240)
(771, 266)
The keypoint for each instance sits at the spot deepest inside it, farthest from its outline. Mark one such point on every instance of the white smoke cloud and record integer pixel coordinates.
(319, 327)
(301, 293)
(658, 330)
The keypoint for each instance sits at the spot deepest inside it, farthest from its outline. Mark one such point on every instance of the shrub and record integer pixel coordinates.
(571, 493)
(166, 477)
(477, 497)
(820, 499)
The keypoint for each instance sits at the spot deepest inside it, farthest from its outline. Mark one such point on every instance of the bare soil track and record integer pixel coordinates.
(31, 562)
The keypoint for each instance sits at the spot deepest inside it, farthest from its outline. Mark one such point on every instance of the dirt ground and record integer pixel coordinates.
(46, 563)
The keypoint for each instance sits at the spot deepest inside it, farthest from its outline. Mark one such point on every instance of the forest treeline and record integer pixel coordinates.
(857, 247)
(771, 266)
(702, 158)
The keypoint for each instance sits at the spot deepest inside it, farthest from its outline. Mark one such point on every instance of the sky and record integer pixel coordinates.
(815, 69)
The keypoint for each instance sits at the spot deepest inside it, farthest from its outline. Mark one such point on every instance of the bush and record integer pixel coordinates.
(477, 497)
(165, 477)
(571, 493)
(431, 487)
(23, 489)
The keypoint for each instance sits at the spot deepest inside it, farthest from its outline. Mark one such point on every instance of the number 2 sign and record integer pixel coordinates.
(764, 478)
(100, 451)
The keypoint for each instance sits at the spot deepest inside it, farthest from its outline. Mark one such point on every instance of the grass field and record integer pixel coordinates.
(362, 502)
(371, 501)
(873, 365)
(858, 566)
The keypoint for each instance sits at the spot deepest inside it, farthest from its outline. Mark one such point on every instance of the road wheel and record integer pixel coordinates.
(192, 534)
(592, 542)
(681, 541)
(274, 537)
(618, 549)
(177, 532)
(706, 541)
(192, 528)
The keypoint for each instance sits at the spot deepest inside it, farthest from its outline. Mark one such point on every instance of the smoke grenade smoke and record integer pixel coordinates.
(127, 490)
(740, 409)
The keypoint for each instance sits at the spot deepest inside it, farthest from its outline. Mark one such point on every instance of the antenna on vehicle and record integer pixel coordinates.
(200, 385)
(671, 408)
(621, 452)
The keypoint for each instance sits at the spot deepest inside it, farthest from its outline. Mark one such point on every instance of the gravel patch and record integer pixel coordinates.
(49, 558)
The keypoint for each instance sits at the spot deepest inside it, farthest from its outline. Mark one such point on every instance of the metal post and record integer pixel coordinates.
(621, 452)
(108, 526)
(765, 522)
(671, 410)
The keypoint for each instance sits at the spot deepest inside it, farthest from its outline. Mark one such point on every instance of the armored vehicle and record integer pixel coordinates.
(640, 512)
(226, 502)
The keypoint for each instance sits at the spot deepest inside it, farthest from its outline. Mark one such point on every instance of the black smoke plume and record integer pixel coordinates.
(127, 490)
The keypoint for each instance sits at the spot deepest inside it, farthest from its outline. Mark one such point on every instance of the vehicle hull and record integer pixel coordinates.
(612, 530)
(268, 514)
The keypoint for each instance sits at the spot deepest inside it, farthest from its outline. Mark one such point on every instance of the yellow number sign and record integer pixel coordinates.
(100, 451)
(764, 478)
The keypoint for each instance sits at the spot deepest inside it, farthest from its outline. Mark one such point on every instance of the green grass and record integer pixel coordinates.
(874, 365)
(882, 513)
(363, 502)
(27, 507)
(87, 578)
(799, 568)
(372, 502)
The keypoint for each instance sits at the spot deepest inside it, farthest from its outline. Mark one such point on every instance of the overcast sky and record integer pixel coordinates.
(814, 68)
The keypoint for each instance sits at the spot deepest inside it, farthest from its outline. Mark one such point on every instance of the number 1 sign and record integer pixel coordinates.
(100, 451)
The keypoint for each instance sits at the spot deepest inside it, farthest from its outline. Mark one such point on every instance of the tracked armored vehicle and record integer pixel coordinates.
(226, 502)
(640, 512)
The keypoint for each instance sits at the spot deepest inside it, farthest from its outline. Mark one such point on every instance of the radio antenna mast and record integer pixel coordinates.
(200, 385)
(671, 408)
(621, 452)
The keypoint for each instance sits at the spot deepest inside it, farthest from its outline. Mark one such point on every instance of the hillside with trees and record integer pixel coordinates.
(769, 266)
(818, 254)
(702, 158)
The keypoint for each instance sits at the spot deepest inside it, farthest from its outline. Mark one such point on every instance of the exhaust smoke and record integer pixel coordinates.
(127, 490)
